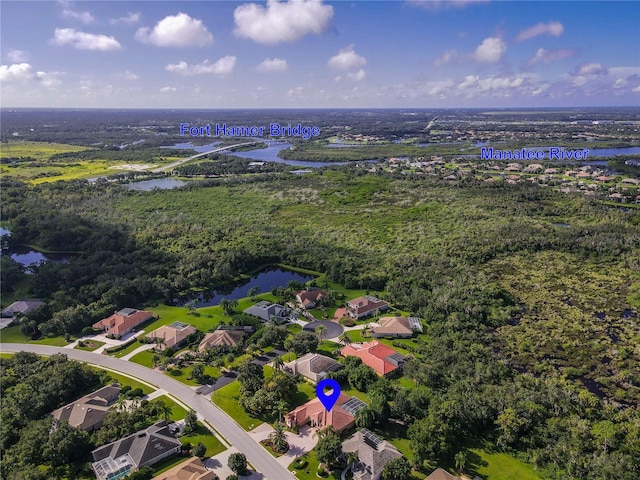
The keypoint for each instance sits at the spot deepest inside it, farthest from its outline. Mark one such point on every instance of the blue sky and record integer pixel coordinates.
(315, 53)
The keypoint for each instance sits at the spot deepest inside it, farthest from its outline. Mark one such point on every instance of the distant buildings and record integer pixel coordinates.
(115, 460)
(122, 321)
(88, 412)
(384, 360)
(225, 336)
(172, 335)
(365, 306)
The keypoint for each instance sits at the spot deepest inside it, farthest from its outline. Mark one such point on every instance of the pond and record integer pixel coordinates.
(158, 183)
(27, 257)
(267, 280)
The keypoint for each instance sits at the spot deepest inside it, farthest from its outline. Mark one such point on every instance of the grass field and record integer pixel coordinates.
(14, 335)
(309, 472)
(177, 412)
(227, 399)
(207, 438)
(90, 345)
(124, 380)
(498, 466)
(36, 150)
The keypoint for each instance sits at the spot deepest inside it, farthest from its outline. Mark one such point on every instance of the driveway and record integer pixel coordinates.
(298, 444)
(333, 329)
(262, 460)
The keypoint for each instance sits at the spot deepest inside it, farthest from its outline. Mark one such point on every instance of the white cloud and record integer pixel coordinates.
(179, 30)
(15, 73)
(446, 57)
(84, 41)
(439, 4)
(17, 56)
(469, 81)
(130, 19)
(552, 28)
(21, 72)
(281, 21)
(273, 65)
(347, 58)
(168, 89)
(549, 56)
(490, 50)
(82, 17)
(224, 66)
(357, 76)
(590, 69)
(129, 75)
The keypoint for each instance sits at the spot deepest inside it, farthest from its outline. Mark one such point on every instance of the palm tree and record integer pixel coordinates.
(345, 339)
(278, 438)
(280, 407)
(254, 292)
(320, 331)
(352, 459)
(191, 306)
(278, 363)
(228, 305)
(461, 461)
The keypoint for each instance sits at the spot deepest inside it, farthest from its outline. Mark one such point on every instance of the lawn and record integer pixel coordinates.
(124, 380)
(207, 438)
(90, 345)
(227, 399)
(205, 319)
(177, 412)
(309, 472)
(143, 358)
(498, 466)
(14, 335)
(127, 350)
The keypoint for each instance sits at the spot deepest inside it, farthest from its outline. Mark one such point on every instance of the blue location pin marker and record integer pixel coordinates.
(328, 400)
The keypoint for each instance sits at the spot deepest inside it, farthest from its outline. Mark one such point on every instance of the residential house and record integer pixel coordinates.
(374, 453)
(397, 327)
(365, 306)
(384, 360)
(21, 307)
(122, 321)
(440, 474)
(309, 298)
(268, 311)
(192, 469)
(340, 417)
(116, 460)
(88, 412)
(172, 335)
(313, 366)
(225, 336)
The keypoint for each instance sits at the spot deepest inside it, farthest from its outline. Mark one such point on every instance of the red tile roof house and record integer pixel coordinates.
(384, 360)
(365, 306)
(309, 298)
(340, 417)
(122, 322)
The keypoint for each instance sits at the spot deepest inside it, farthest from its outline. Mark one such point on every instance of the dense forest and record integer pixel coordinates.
(529, 294)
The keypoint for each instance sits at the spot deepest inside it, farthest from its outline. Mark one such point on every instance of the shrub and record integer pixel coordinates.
(300, 463)
(347, 321)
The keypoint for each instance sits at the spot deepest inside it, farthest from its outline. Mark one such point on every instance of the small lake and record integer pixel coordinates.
(26, 256)
(158, 183)
(267, 280)
(270, 154)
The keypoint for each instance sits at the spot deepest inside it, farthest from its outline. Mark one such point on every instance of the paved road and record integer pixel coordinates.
(192, 157)
(230, 430)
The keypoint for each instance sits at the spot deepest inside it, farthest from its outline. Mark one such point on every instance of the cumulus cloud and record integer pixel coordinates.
(490, 50)
(468, 82)
(549, 56)
(552, 28)
(446, 57)
(129, 75)
(347, 58)
(273, 65)
(590, 69)
(224, 66)
(82, 17)
(281, 21)
(130, 19)
(357, 76)
(179, 30)
(168, 89)
(84, 41)
(17, 56)
(22, 72)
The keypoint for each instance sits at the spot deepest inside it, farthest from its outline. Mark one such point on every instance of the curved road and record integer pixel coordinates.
(192, 157)
(224, 424)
